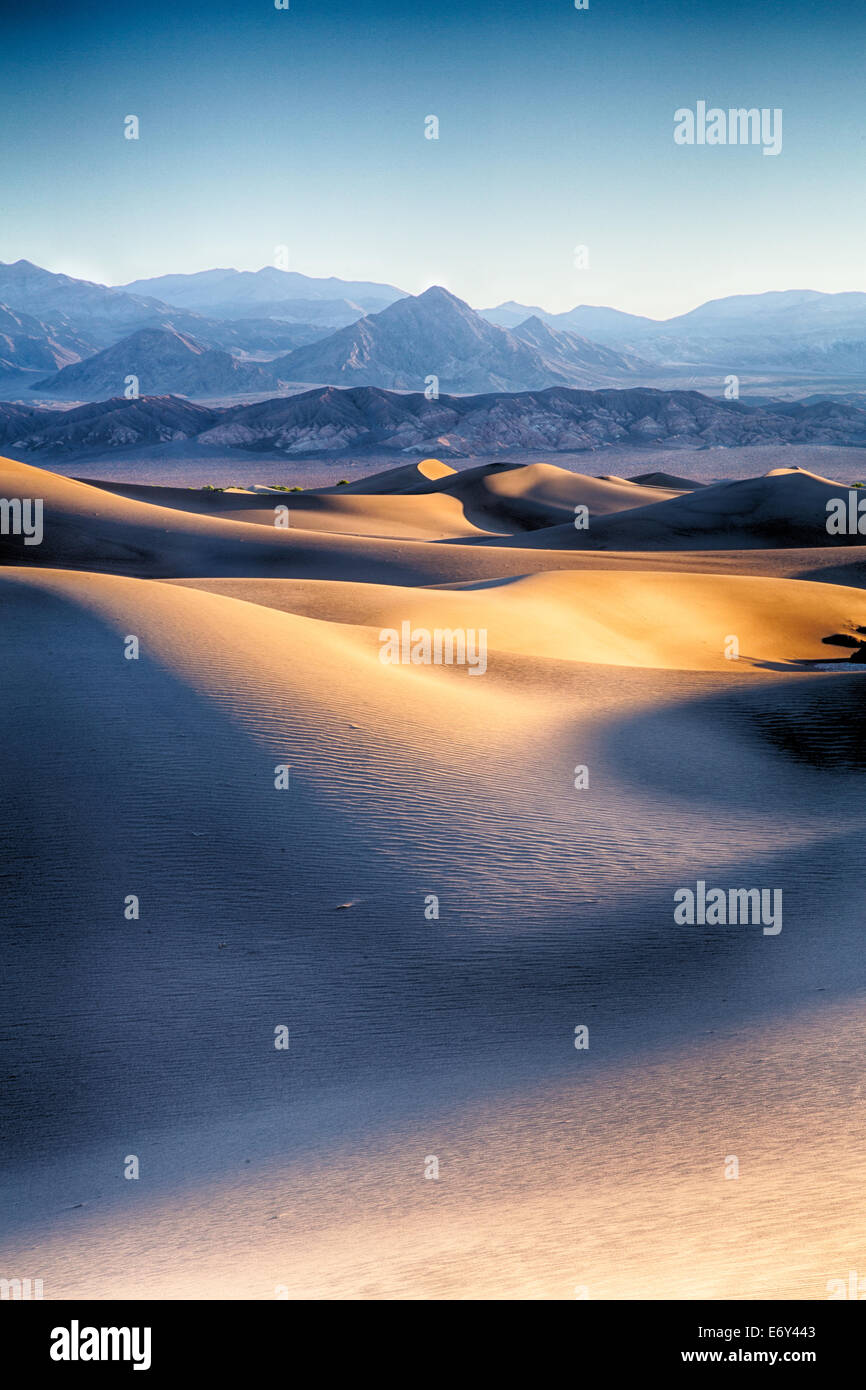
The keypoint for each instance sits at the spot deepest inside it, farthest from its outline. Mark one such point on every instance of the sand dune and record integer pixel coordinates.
(428, 500)
(499, 498)
(587, 1177)
(670, 481)
(307, 906)
(413, 1038)
(407, 477)
(90, 529)
(681, 621)
(539, 494)
(787, 507)
(385, 515)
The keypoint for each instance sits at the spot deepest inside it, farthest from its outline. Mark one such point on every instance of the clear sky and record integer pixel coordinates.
(305, 127)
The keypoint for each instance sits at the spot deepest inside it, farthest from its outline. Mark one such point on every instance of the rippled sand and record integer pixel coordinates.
(562, 1172)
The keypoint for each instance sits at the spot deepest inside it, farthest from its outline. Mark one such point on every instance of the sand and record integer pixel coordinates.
(562, 1172)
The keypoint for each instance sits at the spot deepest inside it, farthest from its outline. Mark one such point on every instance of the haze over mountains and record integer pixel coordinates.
(82, 318)
(437, 334)
(403, 347)
(269, 292)
(162, 361)
(793, 328)
(227, 335)
(27, 343)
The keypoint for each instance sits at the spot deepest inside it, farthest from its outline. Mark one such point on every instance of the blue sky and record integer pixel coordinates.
(305, 128)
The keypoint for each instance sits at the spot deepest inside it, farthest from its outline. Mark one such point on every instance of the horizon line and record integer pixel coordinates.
(713, 299)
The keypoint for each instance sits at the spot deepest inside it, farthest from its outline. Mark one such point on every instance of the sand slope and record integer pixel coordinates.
(428, 498)
(388, 514)
(407, 477)
(308, 906)
(682, 621)
(787, 507)
(89, 528)
(411, 1037)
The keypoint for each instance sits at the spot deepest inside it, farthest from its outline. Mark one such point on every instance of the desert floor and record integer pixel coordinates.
(563, 1172)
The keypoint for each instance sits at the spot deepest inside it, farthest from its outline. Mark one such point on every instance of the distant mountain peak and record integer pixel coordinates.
(439, 292)
(437, 335)
(166, 362)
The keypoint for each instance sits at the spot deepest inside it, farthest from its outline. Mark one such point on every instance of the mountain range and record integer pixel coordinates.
(28, 343)
(74, 319)
(162, 361)
(368, 419)
(435, 334)
(281, 329)
(270, 292)
(796, 329)
(416, 340)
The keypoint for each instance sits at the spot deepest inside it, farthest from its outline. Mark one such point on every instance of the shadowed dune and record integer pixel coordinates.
(307, 906)
(495, 497)
(787, 507)
(666, 480)
(88, 528)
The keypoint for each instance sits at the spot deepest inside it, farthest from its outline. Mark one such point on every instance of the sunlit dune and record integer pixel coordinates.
(433, 877)
(684, 621)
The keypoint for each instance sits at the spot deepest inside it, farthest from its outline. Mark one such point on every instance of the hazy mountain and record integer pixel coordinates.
(269, 292)
(801, 329)
(30, 289)
(82, 318)
(27, 344)
(613, 327)
(510, 314)
(778, 311)
(283, 312)
(367, 418)
(791, 329)
(324, 313)
(264, 335)
(595, 322)
(327, 314)
(573, 355)
(437, 334)
(164, 361)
